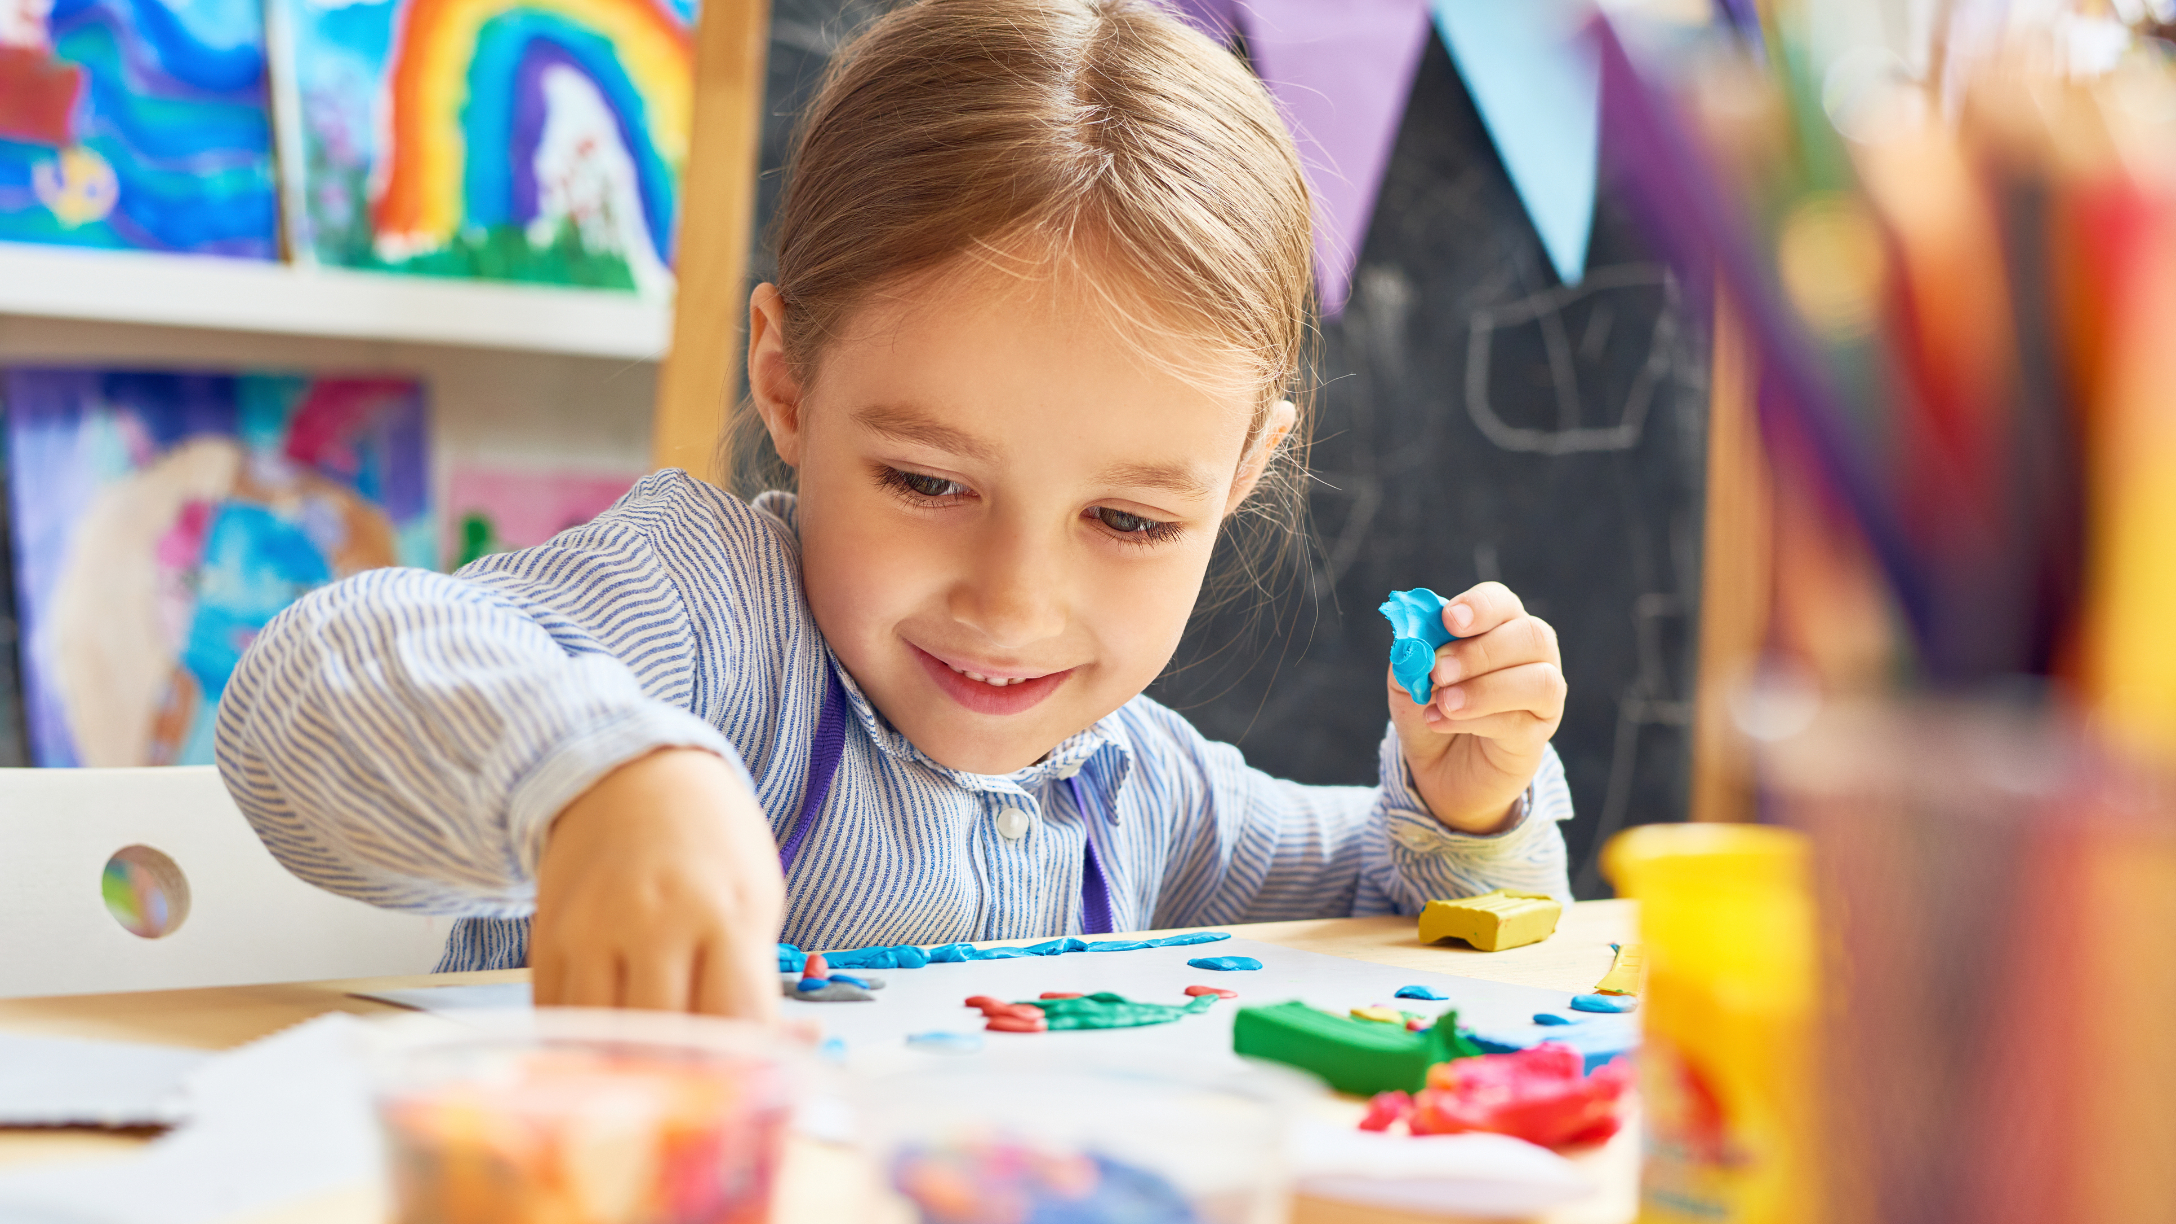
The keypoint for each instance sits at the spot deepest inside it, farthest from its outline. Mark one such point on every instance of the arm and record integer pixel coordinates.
(1249, 847)
(407, 738)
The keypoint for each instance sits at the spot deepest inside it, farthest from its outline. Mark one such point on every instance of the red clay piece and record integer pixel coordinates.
(1218, 991)
(1061, 994)
(1018, 1011)
(1386, 1108)
(1542, 1095)
(817, 966)
(984, 1002)
(1018, 1024)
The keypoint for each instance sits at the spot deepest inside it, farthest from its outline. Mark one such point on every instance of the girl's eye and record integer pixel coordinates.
(922, 484)
(1133, 527)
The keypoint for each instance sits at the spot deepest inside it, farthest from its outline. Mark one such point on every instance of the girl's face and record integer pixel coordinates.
(1006, 508)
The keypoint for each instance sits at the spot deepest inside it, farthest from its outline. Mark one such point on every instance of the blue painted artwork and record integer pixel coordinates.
(161, 520)
(137, 124)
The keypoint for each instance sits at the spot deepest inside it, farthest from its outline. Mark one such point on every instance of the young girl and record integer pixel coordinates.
(1043, 286)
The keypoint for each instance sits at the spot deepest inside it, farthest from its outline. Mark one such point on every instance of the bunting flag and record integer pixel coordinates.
(1341, 71)
(1535, 78)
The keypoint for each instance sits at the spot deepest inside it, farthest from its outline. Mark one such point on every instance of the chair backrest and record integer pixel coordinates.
(247, 920)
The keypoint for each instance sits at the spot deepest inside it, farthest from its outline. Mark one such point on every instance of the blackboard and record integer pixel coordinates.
(1476, 420)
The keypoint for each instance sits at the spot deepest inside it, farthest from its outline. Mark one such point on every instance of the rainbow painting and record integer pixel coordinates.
(137, 124)
(161, 519)
(522, 140)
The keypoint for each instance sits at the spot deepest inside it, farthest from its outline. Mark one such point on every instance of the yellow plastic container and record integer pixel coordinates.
(1727, 1064)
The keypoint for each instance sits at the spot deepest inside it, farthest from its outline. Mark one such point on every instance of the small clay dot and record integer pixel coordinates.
(1061, 994)
(1218, 991)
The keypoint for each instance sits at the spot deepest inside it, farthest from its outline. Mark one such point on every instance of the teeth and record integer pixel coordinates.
(992, 681)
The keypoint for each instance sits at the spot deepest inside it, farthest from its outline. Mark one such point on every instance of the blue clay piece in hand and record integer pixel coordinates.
(1604, 1003)
(1225, 964)
(1416, 616)
(1551, 1018)
(1420, 992)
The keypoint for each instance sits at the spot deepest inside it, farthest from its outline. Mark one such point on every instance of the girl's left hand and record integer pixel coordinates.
(1499, 695)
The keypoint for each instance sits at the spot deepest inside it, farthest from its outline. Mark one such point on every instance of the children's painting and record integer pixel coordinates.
(161, 520)
(137, 124)
(490, 510)
(523, 140)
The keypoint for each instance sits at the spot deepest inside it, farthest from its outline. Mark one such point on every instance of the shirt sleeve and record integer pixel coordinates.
(1249, 847)
(405, 737)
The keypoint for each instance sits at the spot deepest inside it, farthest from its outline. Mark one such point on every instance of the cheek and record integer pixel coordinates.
(1140, 605)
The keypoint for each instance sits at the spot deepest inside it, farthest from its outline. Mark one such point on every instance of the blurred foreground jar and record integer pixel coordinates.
(1726, 1065)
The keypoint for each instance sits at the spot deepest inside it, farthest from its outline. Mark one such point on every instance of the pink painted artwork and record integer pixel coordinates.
(490, 510)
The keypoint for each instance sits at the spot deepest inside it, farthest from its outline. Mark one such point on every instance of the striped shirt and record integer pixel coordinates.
(406, 737)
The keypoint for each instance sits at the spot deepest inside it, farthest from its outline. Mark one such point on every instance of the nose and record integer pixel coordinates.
(1012, 591)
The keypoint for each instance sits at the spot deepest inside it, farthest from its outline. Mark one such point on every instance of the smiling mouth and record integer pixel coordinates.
(993, 681)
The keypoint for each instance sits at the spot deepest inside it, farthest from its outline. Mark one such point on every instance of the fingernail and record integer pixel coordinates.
(1451, 698)
(1461, 616)
(1432, 716)
(1446, 672)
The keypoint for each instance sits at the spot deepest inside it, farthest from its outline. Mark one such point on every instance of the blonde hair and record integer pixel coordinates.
(1100, 133)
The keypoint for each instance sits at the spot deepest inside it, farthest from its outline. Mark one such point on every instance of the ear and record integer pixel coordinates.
(1282, 416)
(772, 383)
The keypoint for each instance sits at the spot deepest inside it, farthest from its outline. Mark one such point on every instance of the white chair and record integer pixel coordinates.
(247, 920)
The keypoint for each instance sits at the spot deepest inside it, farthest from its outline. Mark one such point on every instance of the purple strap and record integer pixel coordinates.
(823, 761)
(1095, 887)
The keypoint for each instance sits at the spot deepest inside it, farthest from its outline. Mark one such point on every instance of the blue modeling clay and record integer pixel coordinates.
(833, 1050)
(1225, 963)
(806, 984)
(850, 980)
(1604, 1003)
(1597, 1041)
(1551, 1018)
(946, 1043)
(1416, 616)
(1420, 992)
(907, 956)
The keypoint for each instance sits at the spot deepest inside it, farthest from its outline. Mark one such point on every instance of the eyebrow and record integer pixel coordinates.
(907, 424)
(912, 425)
(1171, 477)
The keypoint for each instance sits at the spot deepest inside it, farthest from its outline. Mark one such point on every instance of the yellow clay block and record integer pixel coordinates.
(1492, 921)
(1382, 1015)
(1623, 977)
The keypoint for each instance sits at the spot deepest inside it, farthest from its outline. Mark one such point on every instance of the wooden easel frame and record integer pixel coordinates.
(717, 216)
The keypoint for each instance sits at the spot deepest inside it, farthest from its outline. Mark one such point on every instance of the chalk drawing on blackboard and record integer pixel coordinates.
(1545, 311)
(1647, 701)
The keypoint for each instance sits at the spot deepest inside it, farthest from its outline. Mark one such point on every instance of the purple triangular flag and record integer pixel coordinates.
(1341, 70)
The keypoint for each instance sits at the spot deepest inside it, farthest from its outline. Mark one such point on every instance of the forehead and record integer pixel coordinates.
(1056, 353)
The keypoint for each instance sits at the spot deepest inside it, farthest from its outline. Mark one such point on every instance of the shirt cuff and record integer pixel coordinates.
(1410, 823)
(570, 768)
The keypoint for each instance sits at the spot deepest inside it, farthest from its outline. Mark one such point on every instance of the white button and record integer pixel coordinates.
(1012, 824)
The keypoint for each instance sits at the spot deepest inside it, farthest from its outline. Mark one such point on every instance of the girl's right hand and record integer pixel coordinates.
(659, 888)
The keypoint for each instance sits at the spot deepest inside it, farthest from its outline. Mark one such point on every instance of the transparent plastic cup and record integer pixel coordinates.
(1089, 1143)
(583, 1117)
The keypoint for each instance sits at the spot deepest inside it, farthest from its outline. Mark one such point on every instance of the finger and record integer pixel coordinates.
(658, 979)
(547, 973)
(1482, 608)
(1523, 639)
(1535, 688)
(739, 978)
(1520, 731)
(588, 978)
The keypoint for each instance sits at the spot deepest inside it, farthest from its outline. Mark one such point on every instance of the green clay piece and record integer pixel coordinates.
(1107, 1010)
(1361, 1057)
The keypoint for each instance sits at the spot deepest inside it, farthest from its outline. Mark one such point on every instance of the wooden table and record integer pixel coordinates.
(821, 1183)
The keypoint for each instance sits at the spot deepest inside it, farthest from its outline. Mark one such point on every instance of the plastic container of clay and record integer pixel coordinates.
(1086, 1143)
(583, 1117)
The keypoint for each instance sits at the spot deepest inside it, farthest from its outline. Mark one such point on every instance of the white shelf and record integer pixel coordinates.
(248, 295)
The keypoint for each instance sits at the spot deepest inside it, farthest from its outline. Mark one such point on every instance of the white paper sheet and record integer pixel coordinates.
(276, 1121)
(64, 1081)
(931, 999)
